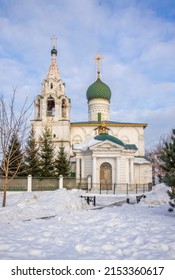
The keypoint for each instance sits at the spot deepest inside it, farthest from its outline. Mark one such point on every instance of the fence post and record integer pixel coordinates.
(29, 183)
(114, 188)
(127, 189)
(127, 194)
(94, 200)
(60, 181)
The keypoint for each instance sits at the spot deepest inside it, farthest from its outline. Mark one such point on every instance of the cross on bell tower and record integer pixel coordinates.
(54, 42)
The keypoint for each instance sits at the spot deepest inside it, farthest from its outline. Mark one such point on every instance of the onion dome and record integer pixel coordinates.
(98, 90)
(53, 51)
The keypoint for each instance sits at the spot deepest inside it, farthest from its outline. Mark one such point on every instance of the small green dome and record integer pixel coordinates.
(53, 51)
(98, 90)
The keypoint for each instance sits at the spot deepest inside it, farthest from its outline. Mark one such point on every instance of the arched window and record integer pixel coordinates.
(51, 85)
(77, 139)
(63, 108)
(50, 106)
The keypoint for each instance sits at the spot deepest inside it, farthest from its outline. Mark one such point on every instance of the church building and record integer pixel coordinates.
(110, 153)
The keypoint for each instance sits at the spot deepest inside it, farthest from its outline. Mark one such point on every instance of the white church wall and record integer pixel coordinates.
(129, 135)
(123, 171)
(88, 165)
(37, 129)
(77, 134)
(60, 132)
(142, 173)
(133, 135)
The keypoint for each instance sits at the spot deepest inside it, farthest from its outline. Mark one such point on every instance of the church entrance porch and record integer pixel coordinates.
(106, 176)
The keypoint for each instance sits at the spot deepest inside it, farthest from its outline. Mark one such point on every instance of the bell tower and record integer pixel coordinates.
(52, 106)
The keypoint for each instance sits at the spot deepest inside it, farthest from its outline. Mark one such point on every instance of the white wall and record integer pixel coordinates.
(142, 173)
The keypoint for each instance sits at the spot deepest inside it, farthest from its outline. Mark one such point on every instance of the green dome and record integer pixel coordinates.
(98, 90)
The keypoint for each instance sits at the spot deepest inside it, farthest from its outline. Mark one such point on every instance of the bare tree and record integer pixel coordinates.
(13, 121)
(154, 153)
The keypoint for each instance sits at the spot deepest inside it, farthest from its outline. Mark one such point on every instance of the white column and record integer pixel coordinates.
(60, 182)
(77, 168)
(131, 170)
(89, 182)
(127, 171)
(29, 183)
(82, 167)
(117, 168)
(94, 173)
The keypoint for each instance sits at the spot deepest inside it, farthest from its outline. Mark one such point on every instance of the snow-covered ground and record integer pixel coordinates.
(60, 225)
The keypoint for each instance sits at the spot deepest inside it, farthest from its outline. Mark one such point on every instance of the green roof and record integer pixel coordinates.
(98, 90)
(131, 147)
(106, 136)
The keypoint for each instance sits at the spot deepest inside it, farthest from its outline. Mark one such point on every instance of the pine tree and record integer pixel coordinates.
(168, 167)
(46, 155)
(31, 155)
(14, 157)
(62, 165)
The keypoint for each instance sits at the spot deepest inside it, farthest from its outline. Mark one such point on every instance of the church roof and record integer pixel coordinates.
(131, 147)
(53, 73)
(106, 136)
(108, 123)
(101, 138)
(86, 144)
(98, 90)
(141, 160)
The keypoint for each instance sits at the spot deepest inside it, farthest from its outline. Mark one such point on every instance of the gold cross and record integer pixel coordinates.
(54, 42)
(98, 61)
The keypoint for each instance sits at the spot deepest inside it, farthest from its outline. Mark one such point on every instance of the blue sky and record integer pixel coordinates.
(135, 37)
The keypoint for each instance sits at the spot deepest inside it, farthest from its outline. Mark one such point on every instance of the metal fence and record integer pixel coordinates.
(120, 188)
(129, 188)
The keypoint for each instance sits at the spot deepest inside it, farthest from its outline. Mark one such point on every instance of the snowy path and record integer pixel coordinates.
(140, 231)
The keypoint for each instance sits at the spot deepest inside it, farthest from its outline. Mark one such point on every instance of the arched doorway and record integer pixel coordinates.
(106, 176)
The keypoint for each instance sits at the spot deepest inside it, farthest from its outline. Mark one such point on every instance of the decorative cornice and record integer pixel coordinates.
(81, 124)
